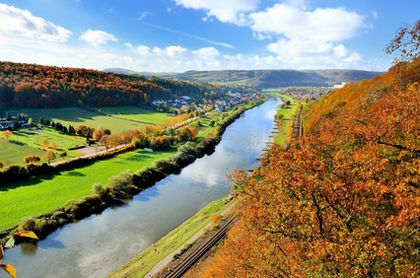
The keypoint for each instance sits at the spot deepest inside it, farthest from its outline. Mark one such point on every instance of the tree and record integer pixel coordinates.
(49, 155)
(7, 134)
(45, 143)
(31, 159)
(342, 201)
(97, 134)
(406, 43)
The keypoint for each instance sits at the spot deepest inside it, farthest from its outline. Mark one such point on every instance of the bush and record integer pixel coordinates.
(16, 142)
(99, 190)
(122, 181)
(31, 158)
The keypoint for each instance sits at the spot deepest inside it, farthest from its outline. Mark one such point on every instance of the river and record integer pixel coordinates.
(99, 244)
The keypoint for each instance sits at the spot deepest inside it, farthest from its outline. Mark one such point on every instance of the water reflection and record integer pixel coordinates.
(101, 243)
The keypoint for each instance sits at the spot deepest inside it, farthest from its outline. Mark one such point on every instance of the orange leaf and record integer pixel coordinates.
(10, 269)
(28, 234)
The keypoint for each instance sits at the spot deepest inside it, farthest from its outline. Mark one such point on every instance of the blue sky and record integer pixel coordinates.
(180, 35)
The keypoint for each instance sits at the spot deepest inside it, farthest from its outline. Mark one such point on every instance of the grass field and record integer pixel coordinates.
(76, 116)
(33, 139)
(43, 194)
(136, 114)
(12, 153)
(288, 117)
(140, 265)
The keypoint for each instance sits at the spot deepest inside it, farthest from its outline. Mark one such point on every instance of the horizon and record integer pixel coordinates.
(175, 36)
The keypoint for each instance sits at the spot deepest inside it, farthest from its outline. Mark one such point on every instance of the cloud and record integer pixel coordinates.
(21, 23)
(228, 11)
(207, 53)
(326, 24)
(143, 15)
(97, 37)
(306, 38)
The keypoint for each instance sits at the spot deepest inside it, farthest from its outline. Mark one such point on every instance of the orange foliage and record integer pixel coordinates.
(344, 201)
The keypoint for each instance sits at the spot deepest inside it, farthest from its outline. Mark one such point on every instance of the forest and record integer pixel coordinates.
(36, 86)
(343, 201)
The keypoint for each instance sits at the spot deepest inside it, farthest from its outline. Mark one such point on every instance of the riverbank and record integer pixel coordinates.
(128, 184)
(285, 118)
(174, 243)
(166, 251)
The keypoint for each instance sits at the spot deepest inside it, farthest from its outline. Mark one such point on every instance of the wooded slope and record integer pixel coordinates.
(30, 85)
(345, 200)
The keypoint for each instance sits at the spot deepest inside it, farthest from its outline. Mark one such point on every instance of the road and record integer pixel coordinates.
(196, 254)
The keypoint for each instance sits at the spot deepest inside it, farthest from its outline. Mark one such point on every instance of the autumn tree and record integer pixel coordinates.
(97, 134)
(341, 202)
(7, 134)
(49, 155)
(406, 43)
(31, 159)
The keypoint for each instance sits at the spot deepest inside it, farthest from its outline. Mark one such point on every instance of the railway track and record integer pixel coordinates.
(195, 255)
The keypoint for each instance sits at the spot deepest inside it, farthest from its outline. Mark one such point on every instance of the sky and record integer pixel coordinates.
(181, 35)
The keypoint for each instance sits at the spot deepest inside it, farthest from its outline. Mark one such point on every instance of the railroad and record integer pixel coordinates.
(194, 256)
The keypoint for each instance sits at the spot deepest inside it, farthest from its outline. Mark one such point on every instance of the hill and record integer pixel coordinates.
(37, 86)
(341, 202)
(263, 79)
(276, 78)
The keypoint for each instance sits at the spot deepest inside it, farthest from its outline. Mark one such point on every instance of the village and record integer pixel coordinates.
(185, 104)
(13, 122)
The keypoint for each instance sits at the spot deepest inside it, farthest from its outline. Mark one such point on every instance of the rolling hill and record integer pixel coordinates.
(263, 79)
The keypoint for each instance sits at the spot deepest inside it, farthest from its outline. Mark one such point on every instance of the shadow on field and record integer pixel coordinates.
(27, 182)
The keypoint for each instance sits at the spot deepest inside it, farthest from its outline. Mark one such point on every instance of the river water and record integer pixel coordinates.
(99, 244)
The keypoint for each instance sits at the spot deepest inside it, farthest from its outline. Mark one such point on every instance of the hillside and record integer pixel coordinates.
(343, 201)
(276, 78)
(37, 86)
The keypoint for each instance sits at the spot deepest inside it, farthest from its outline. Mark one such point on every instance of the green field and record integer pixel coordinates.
(140, 265)
(43, 194)
(136, 114)
(288, 113)
(33, 139)
(12, 153)
(76, 116)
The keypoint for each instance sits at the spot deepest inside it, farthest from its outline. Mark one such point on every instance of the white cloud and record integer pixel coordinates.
(229, 11)
(97, 37)
(307, 38)
(329, 24)
(207, 53)
(21, 23)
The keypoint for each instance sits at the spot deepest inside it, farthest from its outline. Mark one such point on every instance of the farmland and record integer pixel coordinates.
(77, 116)
(136, 114)
(31, 142)
(42, 194)
(12, 153)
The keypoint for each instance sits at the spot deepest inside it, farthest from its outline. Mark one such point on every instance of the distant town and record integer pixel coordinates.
(185, 104)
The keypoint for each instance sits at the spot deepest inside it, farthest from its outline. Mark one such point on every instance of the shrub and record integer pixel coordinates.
(122, 181)
(31, 158)
(215, 218)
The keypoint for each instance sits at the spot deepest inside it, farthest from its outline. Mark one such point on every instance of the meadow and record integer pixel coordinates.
(287, 113)
(38, 195)
(33, 140)
(11, 153)
(76, 116)
(136, 114)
